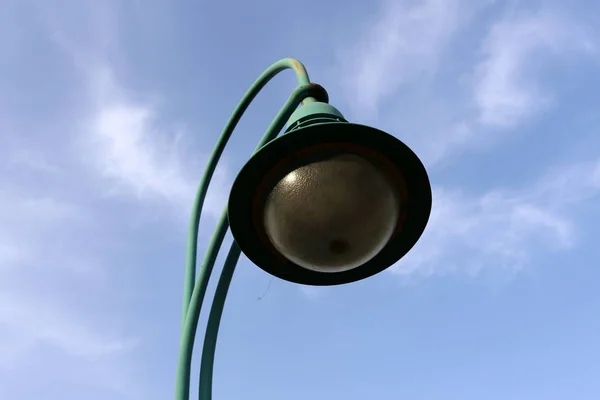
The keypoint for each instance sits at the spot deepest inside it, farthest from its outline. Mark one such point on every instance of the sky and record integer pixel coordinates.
(109, 109)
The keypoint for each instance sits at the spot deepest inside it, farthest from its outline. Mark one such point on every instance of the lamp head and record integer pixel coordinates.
(329, 202)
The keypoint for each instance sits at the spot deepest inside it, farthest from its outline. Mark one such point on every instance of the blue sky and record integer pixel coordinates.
(108, 110)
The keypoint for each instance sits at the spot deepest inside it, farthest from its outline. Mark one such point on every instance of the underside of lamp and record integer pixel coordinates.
(329, 202)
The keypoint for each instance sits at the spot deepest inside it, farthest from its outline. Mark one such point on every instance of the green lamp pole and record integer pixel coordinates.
(328, 203)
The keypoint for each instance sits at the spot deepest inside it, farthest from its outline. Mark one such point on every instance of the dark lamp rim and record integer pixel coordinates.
(317, 142)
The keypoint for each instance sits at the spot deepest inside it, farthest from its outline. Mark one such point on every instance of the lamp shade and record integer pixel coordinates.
(329, 202)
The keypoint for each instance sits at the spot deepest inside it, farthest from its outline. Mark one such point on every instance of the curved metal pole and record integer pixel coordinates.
(216, 310)
(263, 79)
(194, 293)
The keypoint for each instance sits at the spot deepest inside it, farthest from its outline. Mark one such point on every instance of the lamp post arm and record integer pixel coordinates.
(194, 292)
(192, 245)
(216, 310)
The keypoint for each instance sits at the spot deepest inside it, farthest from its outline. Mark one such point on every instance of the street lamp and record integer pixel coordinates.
(327, 203)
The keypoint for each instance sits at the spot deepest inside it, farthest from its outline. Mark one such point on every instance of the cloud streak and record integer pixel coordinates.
(506, 89)
(46, 264)
(129, 147)
(64, 177)
(503, 228)
(457, 98)
(404, 44)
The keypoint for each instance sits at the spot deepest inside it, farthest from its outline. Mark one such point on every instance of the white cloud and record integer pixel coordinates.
(123, 136)
(507, 89)
(27, 222)
(502, 228)
(404, 45)
(57, 241)
(41, 250)
(124, 141)
(60, 236)
(34, 321)
(460, 82)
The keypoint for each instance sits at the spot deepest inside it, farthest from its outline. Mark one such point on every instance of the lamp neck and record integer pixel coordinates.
(313, 113)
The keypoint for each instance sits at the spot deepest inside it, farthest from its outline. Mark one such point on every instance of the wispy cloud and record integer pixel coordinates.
(30, 322)
(404, 45)
(27, 220)
(507, 88)
(125, 142)
(122, 135)
(46, 264)
(503, 228)
(459, 94)
(64, 176)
